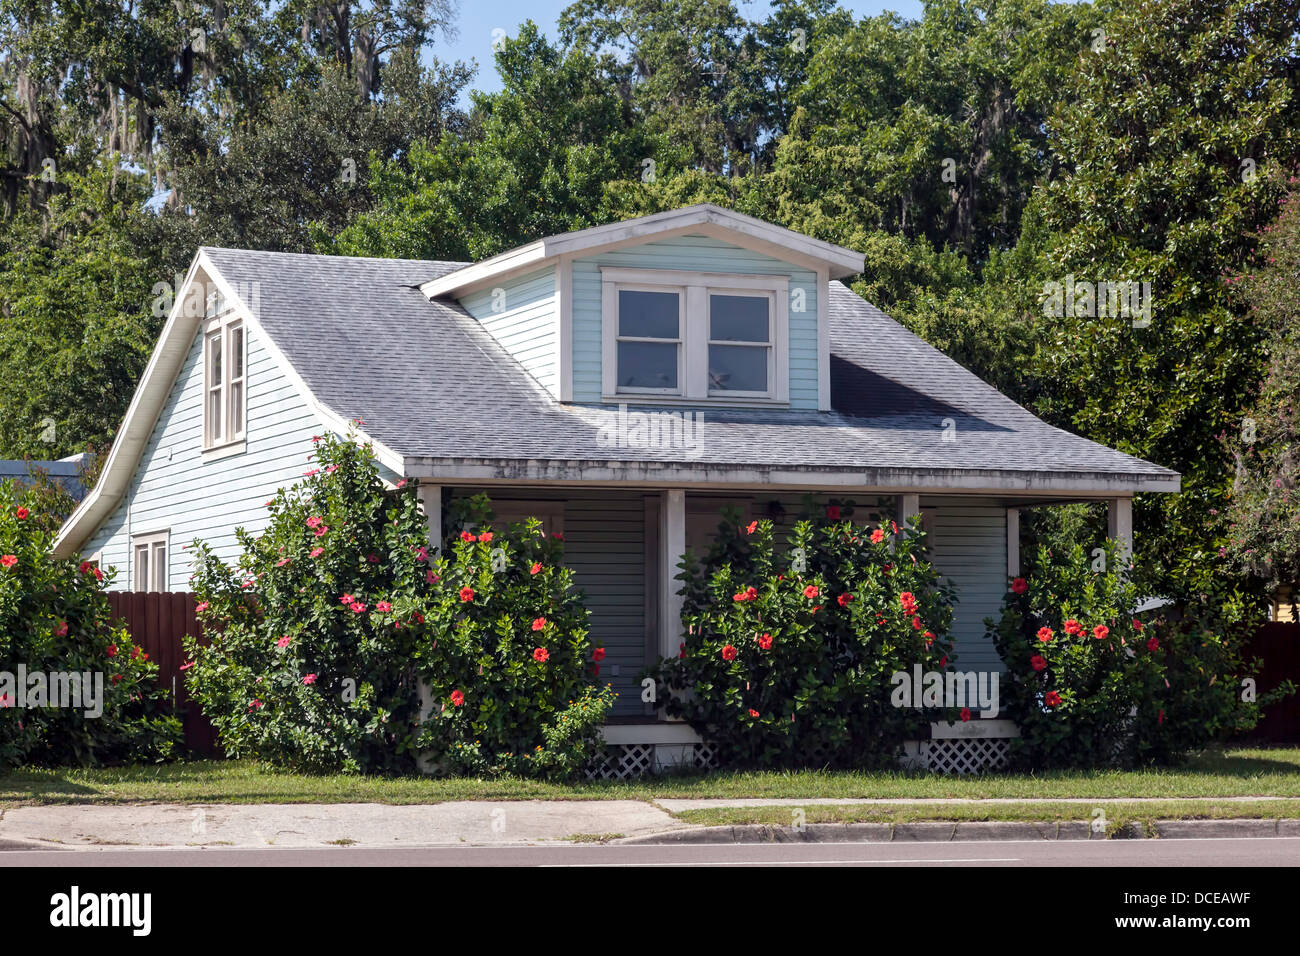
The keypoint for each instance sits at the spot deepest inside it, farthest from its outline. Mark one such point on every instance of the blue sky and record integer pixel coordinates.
(478, 20)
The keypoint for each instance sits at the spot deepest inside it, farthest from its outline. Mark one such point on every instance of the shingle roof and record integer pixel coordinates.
(430, 382)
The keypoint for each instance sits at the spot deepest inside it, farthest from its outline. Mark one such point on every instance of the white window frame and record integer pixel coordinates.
(220, 333)
(693, 331)
(155, 571)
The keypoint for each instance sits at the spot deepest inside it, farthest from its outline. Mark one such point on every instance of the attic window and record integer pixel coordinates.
(694, 336)
(224, 398)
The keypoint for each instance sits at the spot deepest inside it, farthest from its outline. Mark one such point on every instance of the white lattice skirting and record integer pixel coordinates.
(979, 746)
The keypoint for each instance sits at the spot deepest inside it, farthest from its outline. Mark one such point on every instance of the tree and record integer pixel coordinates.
(1264, 508)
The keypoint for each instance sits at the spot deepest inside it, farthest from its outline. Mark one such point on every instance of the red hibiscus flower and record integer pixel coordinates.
(681, 651)
(485, 537)
(1019, 586)
(916, 624)
(1073, 627)
(457, 698)
(1038, 662)
(21, 514)
(765, 642)
(1137, 625)
(965, 714)
(358, 608)
(833, 512)
(61, 629)
(541, 655)
(383, 607)
(753, 712)
(728, 653)
(539, 623)
(536, 568)
(284, 641)
(811, 591)
(309, 679)
(431, 578)
(598, 654)
(1052, 699)
(466, 536)
(9, 560)
(1101, 632)
(466, 594)
(1153, 645)
(1045, 634)
(877, 536)
(112, 650)
(254, 704)
(751, 527)
(844, 599)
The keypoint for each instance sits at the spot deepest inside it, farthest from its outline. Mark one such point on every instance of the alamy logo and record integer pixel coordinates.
(977, 690)
(28, 689)
(1080, 298)
(74, 909)
(681, 431)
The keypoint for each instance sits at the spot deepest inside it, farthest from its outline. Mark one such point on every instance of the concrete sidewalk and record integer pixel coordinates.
(346, 824)
(498, 823)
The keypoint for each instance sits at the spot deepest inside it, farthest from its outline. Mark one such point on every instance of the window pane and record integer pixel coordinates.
(737, 368)
(159, 566)
(214, 360)
(647, 365)
(142, 567)
(236, 408)
(237, 352)
(738, 318)
(214, 416)
(650, 315)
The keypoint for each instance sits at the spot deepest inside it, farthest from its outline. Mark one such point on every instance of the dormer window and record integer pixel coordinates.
(694, 336)
(224, 353)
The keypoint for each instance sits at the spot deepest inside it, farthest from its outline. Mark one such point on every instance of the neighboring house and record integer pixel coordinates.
(546, 376)
(65, 472)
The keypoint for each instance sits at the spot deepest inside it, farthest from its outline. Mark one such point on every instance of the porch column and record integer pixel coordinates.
(672, 545)
(1119, 524)
(1013, 542)
(906, 506)
(431, 502)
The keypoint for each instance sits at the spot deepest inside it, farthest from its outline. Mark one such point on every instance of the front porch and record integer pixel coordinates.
(624, 546)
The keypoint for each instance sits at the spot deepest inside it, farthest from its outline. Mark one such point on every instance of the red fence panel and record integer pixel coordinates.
(1277, 646)
(157, 622)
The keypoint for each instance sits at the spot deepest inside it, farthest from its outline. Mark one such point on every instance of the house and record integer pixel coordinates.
(622, 383)
(65, 472)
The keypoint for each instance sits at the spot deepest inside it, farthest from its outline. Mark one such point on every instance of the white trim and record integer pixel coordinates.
(1013, 542)
(1119, 524)
(704, 219)
(660, 732)
(823, 340)
(564, 302)
(672, 545)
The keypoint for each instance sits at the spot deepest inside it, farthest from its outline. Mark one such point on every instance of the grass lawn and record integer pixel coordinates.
(1116, 814)
(1233, 772)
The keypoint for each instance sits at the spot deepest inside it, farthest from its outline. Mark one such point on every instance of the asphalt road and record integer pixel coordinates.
(1162, 853)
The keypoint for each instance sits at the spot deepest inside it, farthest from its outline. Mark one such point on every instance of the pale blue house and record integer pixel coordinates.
(622, 383)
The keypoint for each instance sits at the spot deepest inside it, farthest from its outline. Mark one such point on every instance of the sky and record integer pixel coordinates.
(479, 19)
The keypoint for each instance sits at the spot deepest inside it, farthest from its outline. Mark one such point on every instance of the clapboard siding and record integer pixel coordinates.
(693, 254)
(968, 545)
(521, 314)
(176, 488)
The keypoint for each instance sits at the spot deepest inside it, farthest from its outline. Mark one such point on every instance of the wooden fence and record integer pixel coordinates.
(156, 622)
(1277, 645)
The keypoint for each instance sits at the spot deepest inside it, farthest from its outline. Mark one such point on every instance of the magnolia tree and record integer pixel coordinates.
(791, 648)
(1090, 683)
(74, 688)
(341, 641)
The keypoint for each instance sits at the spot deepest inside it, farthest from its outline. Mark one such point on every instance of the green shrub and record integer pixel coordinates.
(54, 617)
(338, 619)
(509, 669)
(1092, 685)
(790, 649)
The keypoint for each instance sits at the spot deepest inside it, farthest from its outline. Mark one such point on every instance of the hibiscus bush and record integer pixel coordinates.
(54, 617)
(340, 641)
(510, 671)
(790, 647)
(1092, 684)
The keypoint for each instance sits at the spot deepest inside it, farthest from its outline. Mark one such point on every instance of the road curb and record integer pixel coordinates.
(966, 832)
